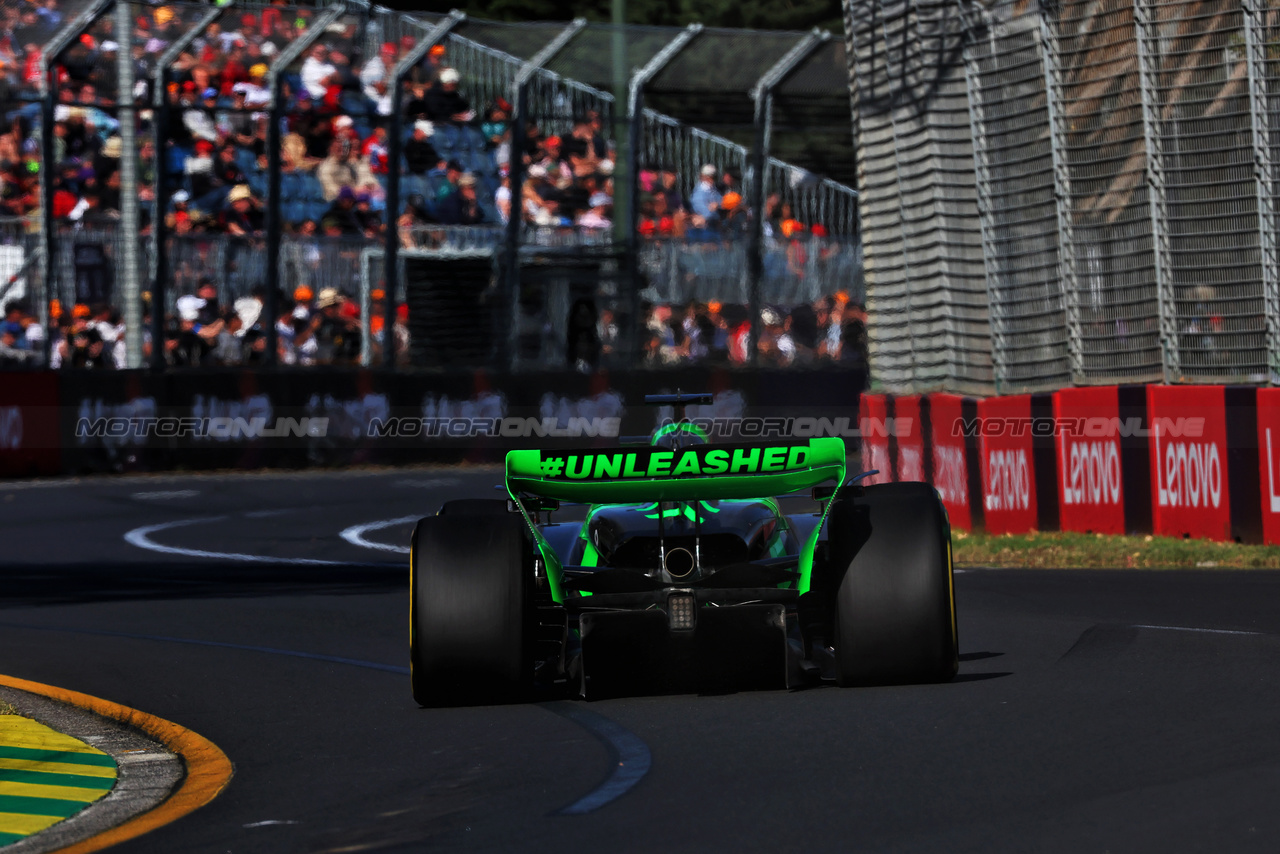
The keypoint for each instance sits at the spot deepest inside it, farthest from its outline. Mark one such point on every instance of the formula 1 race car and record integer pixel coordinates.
(683, 572)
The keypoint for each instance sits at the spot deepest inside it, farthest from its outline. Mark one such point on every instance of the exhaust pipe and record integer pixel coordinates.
(678, 563)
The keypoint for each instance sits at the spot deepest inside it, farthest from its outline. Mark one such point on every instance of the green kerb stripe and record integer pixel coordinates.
(7, 838)
(40, 806)
(53, 778)
(100, 759)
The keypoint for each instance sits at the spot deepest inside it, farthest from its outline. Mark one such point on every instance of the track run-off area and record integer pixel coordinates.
(1094, 710)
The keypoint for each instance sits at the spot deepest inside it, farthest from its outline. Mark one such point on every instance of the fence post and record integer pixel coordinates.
(127, 245)
(635, 130)
(161, 116)
(395, 147)
(49, 57)
(762, 97)
(506, 350)
(1148, 72)
(1054, 98)
(275, 111)
(974, 23)
(1254, 39)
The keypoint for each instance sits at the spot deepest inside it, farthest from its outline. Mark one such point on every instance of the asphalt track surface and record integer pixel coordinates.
(1094, 711)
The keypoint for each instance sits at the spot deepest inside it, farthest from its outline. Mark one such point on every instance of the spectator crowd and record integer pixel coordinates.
(333, 185)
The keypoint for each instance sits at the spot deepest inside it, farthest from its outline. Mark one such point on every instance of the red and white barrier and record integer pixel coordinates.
(1090, 477)
(1007, 461)
(1269, 462)
(910, 434)
(950, 464)
(1188, 447)
(873, 416)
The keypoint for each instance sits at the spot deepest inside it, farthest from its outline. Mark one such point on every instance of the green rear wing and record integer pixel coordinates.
(700, 472)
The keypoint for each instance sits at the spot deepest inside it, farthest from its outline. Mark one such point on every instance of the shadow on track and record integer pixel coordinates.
(72, 583)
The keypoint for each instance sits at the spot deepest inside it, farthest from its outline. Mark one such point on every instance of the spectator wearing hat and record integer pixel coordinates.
(317, 72)
(199, 173)
(444, 103)
(302, 297)
(337, 332)
(428, 71)
(462, 207)
(735, 222)
(796, 251)
(419, 154)
(242, 214)
(370, 220)
(378, 70)
(705, 199)
(256, 93)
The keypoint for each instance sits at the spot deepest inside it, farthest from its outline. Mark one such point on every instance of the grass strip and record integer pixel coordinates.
(1065, 550)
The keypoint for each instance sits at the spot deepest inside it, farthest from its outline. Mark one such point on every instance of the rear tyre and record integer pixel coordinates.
(474, 507)
(470, 610)
(894, 610)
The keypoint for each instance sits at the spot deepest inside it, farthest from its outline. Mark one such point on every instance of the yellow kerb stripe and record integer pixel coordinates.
(17, 731)
(25, 825)
(61, 793)
(57, 768)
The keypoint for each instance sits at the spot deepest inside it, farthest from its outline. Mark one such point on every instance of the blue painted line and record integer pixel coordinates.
(630, 756)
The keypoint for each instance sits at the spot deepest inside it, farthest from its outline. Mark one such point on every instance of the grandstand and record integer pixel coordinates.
(209, 212)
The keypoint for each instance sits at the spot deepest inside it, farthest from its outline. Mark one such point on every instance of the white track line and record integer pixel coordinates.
(1202, 631)
(355, 534)
(166, 495)
(141, 537)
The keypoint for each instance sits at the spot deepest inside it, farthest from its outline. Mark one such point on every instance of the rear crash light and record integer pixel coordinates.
(682, 612)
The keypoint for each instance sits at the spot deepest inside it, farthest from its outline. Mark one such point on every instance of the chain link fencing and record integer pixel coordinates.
(1124, 159)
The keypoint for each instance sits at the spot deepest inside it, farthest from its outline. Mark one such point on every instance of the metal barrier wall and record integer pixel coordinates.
(1124, 159)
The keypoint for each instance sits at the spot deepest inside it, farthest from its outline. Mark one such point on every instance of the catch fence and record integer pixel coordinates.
(1124, 157)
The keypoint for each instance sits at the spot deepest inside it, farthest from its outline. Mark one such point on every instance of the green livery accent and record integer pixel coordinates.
(811, 547)
(680, 427)
(653, 474)
(699, 473)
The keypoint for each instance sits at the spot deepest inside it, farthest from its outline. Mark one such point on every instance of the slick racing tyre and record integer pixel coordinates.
(470, 580)
(894, 614)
